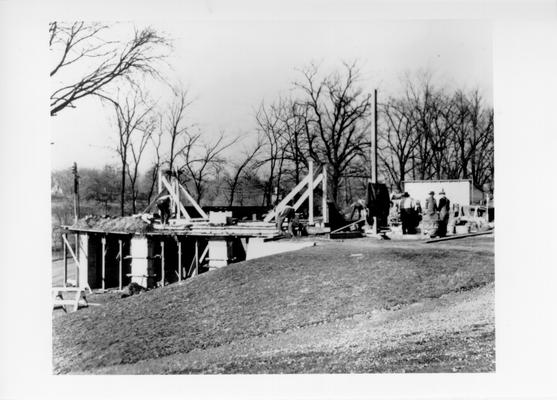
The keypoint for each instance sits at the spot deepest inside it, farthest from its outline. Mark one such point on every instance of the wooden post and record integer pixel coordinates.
(196, 271)
(374, 152)
(159, 178)
(76, 265)
(120, 264)
(324, 202)
(162, 263)
(179, 261)
(103, 263)
(310, 198)
(177, 191)
(65, 260)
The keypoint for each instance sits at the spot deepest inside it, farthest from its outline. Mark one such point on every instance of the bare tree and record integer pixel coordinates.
(137, 147)
(239, 168)
(201, 159)
(173, 122)
(432, 134)
(132, 117)
(156, 141)
(336, 119)
(270, 124)
(104, 61)
(397, 139)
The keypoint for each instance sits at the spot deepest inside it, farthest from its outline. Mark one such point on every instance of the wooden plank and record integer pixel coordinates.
(289, 197)
(179, 261)
(346, 226)
(71, 252)
(120, 260)
(453, 237)
(194, 203)
(103, 263)
(173, 195)
(162, 263)
(196, 271)
(65, 261)
(306, 194)
(177, 192)
(151, 204)
(204, 254)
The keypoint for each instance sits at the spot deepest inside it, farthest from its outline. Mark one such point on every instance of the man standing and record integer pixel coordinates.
(444, 211)
(431, 214)
(407, 214)
(163, 204)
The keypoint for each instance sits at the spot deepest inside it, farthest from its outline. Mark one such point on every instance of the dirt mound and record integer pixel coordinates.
(131, 224)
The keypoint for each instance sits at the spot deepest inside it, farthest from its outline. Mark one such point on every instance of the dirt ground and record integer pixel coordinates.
(348, 307)
(454, 333)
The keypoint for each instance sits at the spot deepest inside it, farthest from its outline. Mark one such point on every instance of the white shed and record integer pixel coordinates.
(458, 191)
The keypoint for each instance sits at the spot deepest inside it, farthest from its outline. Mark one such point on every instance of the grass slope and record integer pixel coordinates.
(265, 297)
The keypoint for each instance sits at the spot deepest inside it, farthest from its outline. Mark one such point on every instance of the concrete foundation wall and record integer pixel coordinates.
(142, 271)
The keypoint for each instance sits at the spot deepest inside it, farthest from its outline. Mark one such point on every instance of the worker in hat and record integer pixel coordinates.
(430, 220)
(443, 208)
(407, 214)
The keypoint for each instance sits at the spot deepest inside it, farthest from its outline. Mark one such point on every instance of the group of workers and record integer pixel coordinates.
(434, 216)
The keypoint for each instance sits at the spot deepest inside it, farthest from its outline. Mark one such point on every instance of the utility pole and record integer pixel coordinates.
(374, 151)
(75, 191)
(374, 140)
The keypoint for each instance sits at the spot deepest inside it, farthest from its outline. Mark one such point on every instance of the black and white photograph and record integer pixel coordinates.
(263, 193)
(289, 197)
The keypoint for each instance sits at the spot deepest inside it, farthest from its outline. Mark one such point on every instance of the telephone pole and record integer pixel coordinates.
(75, 191)
(374, 140)
(374, 152)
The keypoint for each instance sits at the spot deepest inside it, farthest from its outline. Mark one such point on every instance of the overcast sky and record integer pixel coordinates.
(231, 66)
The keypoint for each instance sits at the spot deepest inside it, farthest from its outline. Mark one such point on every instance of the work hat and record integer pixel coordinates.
(442, 191)
(406, 194)
(432, 193)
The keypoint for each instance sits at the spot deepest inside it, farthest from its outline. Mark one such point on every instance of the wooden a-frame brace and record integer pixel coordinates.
(311, 183)
(174, 187)
(77, 263)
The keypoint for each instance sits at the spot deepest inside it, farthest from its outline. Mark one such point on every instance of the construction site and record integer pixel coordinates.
(287, 218)
(144, 250)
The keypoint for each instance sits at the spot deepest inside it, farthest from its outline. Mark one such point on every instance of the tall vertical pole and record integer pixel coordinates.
(374, 151)
(374, 140)
(177, 188)
(179, 261)
(310, 188)
(160, 179)
(162, 263)
(78, 253)
(75, 191)
(324, 203)
(103, 263)
(65, 260)
(120, 264)
(196, 271)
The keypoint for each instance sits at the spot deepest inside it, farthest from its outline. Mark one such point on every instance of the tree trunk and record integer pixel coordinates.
(123, 188)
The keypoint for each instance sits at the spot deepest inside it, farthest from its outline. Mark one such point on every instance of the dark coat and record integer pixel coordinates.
(444, 208)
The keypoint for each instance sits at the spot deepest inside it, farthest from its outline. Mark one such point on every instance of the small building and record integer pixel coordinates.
(459, 191)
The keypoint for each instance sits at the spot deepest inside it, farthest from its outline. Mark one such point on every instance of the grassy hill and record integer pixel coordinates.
(355, 306)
